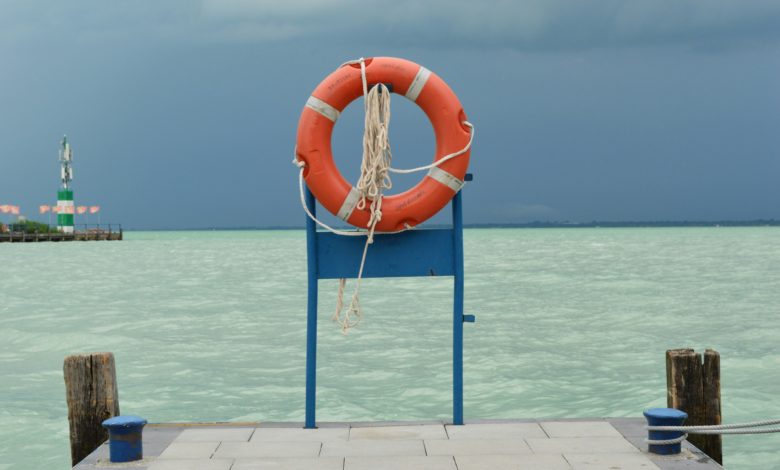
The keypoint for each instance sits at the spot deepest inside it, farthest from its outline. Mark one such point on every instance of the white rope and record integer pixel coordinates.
(442, 159)
(736, 428)
(347, 233)
(737, 431)
(664, 442)
(709, 427)
(374, 177)
(438, 162)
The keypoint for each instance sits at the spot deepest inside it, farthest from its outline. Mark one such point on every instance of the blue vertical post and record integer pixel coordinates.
(311, 315)
(457, 312)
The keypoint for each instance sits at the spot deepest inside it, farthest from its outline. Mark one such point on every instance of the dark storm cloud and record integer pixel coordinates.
(528, 25)
(184, 113)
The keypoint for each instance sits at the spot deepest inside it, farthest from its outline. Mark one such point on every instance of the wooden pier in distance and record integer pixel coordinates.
(108, 232)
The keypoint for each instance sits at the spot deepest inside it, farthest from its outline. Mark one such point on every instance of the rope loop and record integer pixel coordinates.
(664, 442)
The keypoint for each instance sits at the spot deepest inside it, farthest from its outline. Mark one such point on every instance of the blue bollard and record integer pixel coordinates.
(664, 417)
(124, 438)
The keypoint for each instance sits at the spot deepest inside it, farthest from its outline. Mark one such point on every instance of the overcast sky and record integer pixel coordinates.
(183, 113)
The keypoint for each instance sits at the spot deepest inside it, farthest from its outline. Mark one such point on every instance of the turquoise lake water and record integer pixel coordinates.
(210, 326)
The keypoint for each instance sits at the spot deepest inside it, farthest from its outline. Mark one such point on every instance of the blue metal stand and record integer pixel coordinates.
(424, 252)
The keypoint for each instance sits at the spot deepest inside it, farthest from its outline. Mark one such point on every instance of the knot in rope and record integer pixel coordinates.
(377, 156)
(374, 178)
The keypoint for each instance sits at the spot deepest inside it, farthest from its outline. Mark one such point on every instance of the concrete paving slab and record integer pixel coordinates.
(512, 462)
(189, 450)
(215, 434)
(638, 441)
(611, 451)
(373, 424)
(579, 429)
(300, 434)
(372, 448)
(689, 459)
(629, 427)
(477, 447)
(495, 431)
(581, 445)
(612, 461)
(316, 463)
(400, 463)
(253, 450)
(191, 464)
(157, 439)
(428, 431)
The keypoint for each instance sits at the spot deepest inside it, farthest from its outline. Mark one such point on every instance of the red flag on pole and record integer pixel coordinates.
(94, 209)
(82, 209)
(44, 209)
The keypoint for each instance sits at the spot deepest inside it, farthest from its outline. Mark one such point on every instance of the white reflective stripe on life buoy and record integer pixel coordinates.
(323, 108)
(418, 83)
(446, 178)
(349, 204)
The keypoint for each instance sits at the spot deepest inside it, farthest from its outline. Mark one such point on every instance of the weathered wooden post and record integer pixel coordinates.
(92, 397)
(693, 386)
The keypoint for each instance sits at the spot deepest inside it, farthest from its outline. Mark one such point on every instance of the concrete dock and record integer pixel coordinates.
(607, 444)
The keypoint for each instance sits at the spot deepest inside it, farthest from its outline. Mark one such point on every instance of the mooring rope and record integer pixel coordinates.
(736, 428)
(374, 177)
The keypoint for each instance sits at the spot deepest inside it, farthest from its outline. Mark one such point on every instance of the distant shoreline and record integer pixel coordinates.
(535, 224)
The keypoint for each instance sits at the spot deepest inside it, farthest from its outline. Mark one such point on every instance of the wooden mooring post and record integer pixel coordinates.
(92, 397)
(693, 386)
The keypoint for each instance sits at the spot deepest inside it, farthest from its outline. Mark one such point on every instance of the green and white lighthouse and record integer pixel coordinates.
(65, 208)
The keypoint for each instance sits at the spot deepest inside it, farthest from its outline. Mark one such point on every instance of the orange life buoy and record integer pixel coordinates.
(416, 83)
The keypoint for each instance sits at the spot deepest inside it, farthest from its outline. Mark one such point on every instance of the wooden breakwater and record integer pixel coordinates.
(97, 233)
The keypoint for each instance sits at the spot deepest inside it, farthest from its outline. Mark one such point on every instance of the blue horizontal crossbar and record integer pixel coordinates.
(424, 252)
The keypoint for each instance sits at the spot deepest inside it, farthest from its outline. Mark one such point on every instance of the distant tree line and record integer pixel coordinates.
(28, 226)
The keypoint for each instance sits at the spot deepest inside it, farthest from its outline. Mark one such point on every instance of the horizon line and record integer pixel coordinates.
(535, 224)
